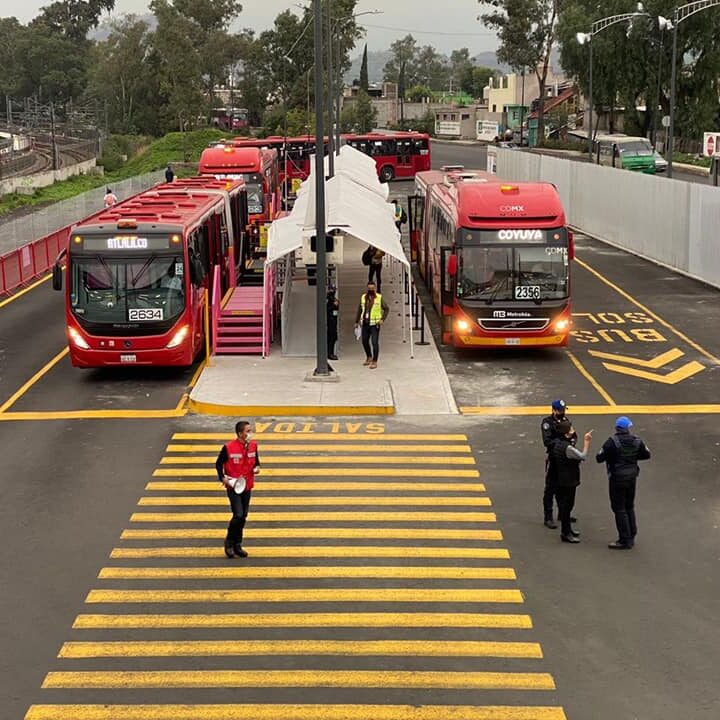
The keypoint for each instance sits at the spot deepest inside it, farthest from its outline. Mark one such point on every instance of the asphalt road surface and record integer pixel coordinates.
(112, 528)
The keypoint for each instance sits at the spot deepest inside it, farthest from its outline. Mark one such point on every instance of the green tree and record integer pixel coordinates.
(462, 66)
(11, 32)
(73, 19)
(431, 68)
(479, 80)
(527, 31)
(404, 53)
(360, 116)
(364, 81)
(418, 93)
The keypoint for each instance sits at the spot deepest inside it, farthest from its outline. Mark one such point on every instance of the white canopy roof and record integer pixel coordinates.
(360, 168)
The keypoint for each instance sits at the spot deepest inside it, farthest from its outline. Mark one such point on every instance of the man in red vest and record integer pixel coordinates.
(236, 465)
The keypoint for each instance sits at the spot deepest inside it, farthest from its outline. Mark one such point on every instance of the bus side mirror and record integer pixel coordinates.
(571, 245)
(57, 277)
(452, 265)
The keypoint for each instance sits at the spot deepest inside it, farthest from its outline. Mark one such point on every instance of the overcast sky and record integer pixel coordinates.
(446, 25)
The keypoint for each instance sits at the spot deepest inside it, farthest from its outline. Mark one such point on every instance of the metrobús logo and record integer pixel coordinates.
(512, 208)
(521, 235)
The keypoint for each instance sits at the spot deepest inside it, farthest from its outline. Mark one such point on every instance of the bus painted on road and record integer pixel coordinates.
(138, 274)
(397, 155)
(496, 259)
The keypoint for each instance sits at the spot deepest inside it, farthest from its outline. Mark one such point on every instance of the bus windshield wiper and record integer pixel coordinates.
(503, 284)
(143, 270)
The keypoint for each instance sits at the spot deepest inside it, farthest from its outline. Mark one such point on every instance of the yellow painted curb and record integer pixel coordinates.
(597, 410)
(205, 408)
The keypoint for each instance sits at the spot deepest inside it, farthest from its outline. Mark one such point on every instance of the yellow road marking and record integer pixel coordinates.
(246, 620)
(672, 378)
(312, 436)
(306, 571)
(223, 648)
(309, 485)
(197, 374)
(95, 414)
(469, 517)
(294, 712)
(206, 408)
(334, 447)
(647, 310)
(22, 292)
(321, 551)
(307, 595)
(540, 410)
(653, 364)
(324, 459)
(326, 472)
(334, 533)
(322, 500)
(586, 374)
(37, 376)
(298, 678)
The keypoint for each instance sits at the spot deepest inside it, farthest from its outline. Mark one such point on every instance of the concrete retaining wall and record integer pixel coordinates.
(29, 183)
(671, 222)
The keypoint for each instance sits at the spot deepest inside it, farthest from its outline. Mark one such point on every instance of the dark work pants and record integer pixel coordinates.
(622, 502)
(371, 335)
(375, 271)
(550, 489)
(332, 336)
(240, 505)
(566, 502)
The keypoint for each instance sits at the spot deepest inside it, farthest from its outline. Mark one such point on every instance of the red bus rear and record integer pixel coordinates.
(138, 273)
(397, 155)
(495, 257)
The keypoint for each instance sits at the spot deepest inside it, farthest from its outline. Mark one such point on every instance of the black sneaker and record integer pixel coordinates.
(573, 519)
(333, 357)
(229, 551)
(617, 545)
(240, 552)
(574, 533)
(550, 524)
(569, 539)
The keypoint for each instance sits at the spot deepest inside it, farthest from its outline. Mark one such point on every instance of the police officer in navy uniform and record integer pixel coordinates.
(548, 428)
(333, 311)
(621, 454)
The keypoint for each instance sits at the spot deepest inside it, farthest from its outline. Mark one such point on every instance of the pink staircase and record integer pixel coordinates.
(240, 323)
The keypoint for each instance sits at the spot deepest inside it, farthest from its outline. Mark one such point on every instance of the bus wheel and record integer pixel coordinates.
(387, 173)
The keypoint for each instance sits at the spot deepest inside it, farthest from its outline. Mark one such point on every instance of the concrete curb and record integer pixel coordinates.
(206, 408)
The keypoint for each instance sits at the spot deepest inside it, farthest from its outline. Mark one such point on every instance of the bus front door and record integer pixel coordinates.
(416, 213)
(447, 294)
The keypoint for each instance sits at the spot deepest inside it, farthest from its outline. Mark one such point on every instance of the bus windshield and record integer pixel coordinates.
(635, 147)
(127, 290)
(512, 273)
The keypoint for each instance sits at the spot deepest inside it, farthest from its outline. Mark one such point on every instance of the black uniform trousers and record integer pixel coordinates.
(566, 502)
(375, 274)
(622, 502)
(240, 505)
(550, 488)
(332, 335)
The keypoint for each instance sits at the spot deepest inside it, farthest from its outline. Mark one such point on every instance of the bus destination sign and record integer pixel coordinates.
(126, 242)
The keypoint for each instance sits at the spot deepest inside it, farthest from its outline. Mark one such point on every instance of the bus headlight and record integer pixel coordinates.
(562, 325)
(179, 337)
(462, 326)
(77, 339)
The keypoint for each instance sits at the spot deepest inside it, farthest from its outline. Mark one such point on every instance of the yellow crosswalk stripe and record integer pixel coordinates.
(365, 517)
(222, 648)
(298, 500)
(298, 678)
(305, 436)
(147, 621)
(315, 551)
(325, 458)
(294, 712)
(306, 595)
(327, 472)
(317, 485)
(333, 533)
(367, 447)
(307, 571)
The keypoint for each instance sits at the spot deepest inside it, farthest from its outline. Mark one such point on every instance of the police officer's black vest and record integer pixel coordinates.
(625, 466)
(568, 471)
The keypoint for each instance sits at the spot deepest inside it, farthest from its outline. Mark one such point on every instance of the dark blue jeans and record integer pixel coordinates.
(240, 505)
(622, 502)
(371, 335)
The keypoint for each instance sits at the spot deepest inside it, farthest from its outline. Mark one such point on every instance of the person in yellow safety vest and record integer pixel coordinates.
(371, 314)
(400, 215)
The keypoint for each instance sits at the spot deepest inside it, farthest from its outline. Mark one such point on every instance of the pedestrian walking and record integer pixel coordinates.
(621, 453)
(110, 198)
(400, 215)
(333, 313)
(548, 428)
(371, 314)
(237, 465)
(169, 174)
(567, 459)
(375, 270)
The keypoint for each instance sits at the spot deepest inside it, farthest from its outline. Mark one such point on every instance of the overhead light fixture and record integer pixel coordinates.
(583, 38)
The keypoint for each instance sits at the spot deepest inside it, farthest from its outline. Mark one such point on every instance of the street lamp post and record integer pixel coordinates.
(331, 139)
(681, 13)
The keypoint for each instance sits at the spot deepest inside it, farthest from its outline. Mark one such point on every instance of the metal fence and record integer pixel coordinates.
(15, 233)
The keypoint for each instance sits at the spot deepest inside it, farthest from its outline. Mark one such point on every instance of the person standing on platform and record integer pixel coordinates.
(110, 198)
(333, 313)
(376, 265)
(169, 174)
(237, 465)
(400, 215)
(371, 314)
(621, 453)
(567, 459)
(548, 428)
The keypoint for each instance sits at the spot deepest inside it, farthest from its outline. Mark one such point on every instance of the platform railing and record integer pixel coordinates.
(216, 307)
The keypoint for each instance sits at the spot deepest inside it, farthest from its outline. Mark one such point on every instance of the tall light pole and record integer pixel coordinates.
(331, 139)
(582, 38)
(681, 13)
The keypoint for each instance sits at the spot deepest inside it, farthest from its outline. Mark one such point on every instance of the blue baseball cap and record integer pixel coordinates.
(623, 423)
(559, 405)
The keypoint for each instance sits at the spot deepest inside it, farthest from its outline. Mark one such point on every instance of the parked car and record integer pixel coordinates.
(660, 163)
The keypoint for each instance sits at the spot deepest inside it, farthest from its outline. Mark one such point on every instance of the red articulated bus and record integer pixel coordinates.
(397, 155)
(495, 257)
(139, 273)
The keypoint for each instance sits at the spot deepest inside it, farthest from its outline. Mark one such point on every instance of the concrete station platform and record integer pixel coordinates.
(280, 385)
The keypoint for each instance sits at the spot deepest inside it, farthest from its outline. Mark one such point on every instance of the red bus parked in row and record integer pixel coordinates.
(495, 257)
(138, 273)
